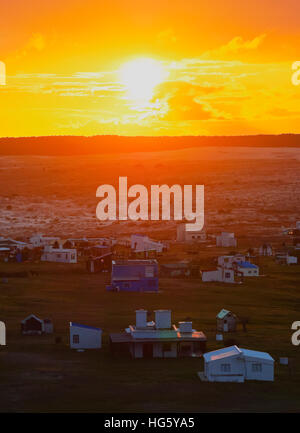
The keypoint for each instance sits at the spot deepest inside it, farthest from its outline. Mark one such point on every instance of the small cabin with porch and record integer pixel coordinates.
(226, 321)
(32, 325)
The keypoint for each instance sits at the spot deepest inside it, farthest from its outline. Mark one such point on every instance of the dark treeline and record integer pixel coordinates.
(79, 145)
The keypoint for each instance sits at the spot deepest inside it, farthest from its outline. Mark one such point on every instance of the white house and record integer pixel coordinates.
(85, 337)
(247, 269)
(39, 240)
(159, 338)
(228, 261)
(223, 275)
(61, 255)
(226, 240)
(189, 236)
(234, 364)
(141, 243)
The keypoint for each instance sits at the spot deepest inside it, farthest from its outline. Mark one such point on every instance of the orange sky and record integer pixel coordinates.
(226, 67)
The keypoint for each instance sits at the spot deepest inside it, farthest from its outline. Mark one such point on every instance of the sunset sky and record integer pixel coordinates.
(137, 67)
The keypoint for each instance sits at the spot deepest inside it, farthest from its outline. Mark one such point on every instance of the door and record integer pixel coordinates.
(225, 326)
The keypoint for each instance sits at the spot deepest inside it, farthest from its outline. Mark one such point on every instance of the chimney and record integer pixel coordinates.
(141, 319)
(163, 319)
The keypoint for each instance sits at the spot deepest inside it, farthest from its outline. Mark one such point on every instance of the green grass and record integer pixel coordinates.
(38, 375)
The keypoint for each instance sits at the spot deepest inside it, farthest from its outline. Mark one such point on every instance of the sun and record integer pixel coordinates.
(141, 76)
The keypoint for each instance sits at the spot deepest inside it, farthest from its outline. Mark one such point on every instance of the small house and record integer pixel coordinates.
(228, 260)
(222, 275)
(226, 240)
(134, 276)
(99, 264)
(159, 338)
(189, 236)
(85, 337)
(179, 269)
(32, 325)
(141, 243)
(234, 364)
(247, 269)
(226, 321)
(60, 255)
(40, 240)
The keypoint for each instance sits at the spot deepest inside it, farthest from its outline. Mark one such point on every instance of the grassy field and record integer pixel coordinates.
(38, 375)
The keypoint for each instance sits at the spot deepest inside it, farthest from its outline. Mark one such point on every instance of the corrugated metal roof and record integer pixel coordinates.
(256, 354)
(222, 353)
(222, 313)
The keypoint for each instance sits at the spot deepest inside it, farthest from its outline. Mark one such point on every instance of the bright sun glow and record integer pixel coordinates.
(140, 77)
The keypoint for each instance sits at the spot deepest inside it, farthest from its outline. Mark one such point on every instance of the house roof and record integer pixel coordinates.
(247, 265)
(256, 354)
(32, 316)
(84, 326)
(234, 351)
(223, 313)
(222, 353)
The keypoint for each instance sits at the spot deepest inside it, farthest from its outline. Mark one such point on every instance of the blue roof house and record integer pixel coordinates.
(247, 269)
(134, 276)
(85, 337)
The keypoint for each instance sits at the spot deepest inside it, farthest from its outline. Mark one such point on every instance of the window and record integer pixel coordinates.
(257, 368)
(225, 368)
(227, 274)
(75, 339)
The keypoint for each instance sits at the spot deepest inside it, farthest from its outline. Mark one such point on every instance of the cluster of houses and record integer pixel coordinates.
(159, 338)
(133, 266)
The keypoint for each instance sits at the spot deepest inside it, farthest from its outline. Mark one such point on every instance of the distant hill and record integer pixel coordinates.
(100, 144)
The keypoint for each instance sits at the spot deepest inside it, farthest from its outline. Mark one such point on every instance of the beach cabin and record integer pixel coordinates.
(220, 274)
(189, 236)
(85, 337)
(158, 338)
(134, 276)
(60, 255)
(247, 269)
(226, 240)
(226, 321)
(32, 325)
(234, 364)
(179, 269)
(229, 260)
(142, 243)
(99, 264)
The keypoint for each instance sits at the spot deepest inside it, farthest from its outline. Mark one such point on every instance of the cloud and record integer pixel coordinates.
(236, 46)
(184, 102)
